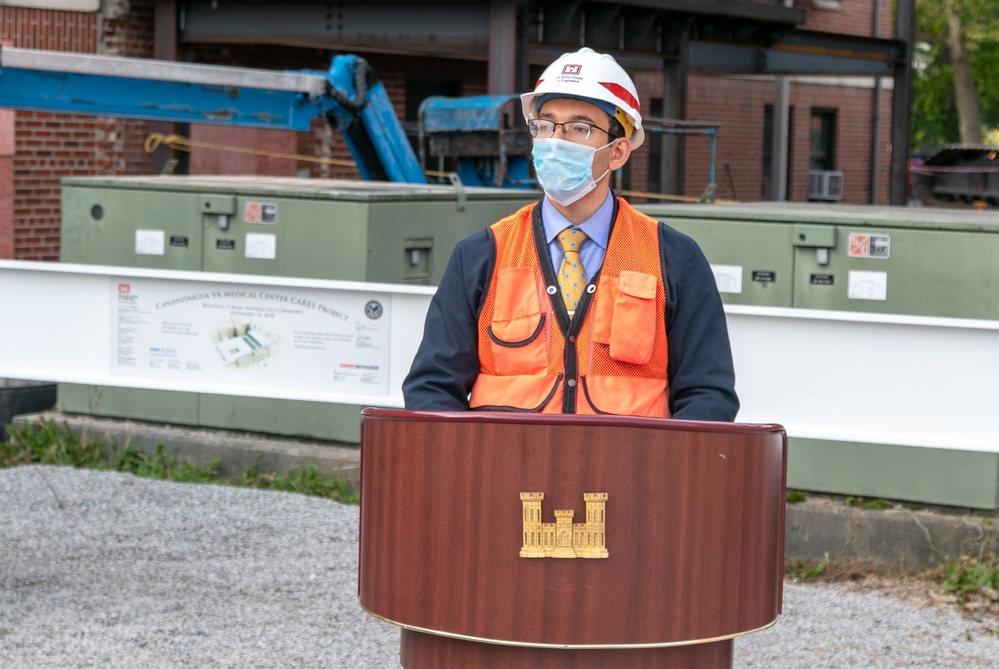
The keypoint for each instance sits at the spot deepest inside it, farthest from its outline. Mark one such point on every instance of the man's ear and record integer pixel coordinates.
(620, 152)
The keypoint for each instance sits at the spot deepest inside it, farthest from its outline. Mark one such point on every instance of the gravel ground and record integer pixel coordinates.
(109, 570)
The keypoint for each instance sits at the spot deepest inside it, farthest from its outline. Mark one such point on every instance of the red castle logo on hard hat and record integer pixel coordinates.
(572, 69)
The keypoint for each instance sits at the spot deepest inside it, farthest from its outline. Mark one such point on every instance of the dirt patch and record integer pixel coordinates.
(920, 589)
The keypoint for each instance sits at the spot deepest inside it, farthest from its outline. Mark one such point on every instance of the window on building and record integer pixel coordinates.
(822, 155)
(828, 5)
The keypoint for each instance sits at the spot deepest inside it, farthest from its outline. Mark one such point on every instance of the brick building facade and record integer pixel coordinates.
(43, 148)
(38, 149)
(740, 106)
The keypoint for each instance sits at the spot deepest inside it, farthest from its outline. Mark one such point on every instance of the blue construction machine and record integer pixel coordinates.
(473, 137)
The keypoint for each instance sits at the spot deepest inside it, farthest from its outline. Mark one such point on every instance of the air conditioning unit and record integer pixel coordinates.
(828, 5)
(825, 185)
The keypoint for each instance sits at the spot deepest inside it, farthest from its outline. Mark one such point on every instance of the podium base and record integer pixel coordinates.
(430, 651)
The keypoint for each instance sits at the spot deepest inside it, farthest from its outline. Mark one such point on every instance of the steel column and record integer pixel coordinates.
(502, 46)
(905, 28)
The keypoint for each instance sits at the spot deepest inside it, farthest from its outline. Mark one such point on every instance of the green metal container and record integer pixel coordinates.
(915, 261)
(888, 260)
(321, 229)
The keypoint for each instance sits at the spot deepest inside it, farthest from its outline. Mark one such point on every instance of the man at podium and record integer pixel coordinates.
(578, 303)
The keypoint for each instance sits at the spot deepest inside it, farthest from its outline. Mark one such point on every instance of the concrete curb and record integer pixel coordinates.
(814, 529)
(899, 538)
(236, 451)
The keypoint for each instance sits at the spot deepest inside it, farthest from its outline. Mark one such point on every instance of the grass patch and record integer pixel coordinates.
(971, 584)
(794, 497)
(971, 578)
(47, 443)
(800, 569)
(307, 481)
(869, 504)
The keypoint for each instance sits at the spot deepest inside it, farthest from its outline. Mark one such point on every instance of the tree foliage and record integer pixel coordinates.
(934, 109)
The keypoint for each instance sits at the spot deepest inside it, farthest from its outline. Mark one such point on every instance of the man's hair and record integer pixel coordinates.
(615, 128)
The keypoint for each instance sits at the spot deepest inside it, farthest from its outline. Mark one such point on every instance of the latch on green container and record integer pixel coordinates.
(820, 237)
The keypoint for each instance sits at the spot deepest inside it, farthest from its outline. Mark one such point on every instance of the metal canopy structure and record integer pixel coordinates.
(644, 26)
(725, 36)
(801, 53)
(745, 37)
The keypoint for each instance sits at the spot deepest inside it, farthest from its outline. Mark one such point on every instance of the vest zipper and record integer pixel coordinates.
(570, 355)
(569, 389)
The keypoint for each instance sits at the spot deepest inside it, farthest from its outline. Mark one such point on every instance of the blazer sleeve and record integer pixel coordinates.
(700, 369)
(447, 361)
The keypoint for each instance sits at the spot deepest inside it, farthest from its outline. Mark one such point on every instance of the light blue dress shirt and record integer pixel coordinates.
(596, 227)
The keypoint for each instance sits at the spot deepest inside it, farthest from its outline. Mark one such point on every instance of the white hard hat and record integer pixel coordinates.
(596, 78)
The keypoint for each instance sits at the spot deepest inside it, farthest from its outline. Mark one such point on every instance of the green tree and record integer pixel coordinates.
(957, 61)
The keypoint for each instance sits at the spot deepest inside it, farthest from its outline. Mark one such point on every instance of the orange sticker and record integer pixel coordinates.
(253, 212)
(860, 245)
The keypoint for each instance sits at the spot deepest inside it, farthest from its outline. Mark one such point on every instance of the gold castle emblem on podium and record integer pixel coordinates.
(563, 538)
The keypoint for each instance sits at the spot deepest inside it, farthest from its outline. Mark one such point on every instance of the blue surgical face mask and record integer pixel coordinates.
(565, 169)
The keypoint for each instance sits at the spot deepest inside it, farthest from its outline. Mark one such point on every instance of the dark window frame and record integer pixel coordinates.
(822, 138)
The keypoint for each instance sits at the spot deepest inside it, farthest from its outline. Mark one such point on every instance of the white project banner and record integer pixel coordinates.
(252, 336)
(313, 340)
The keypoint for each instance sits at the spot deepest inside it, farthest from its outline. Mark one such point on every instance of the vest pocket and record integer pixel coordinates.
(633, 329)
(542, 393)
(626, 317)
(516, 332)
(518, 347)
(624, 396)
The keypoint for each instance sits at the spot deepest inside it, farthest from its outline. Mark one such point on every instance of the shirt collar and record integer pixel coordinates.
(596, 227)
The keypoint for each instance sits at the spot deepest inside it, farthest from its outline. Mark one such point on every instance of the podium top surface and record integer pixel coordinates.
(515, 418)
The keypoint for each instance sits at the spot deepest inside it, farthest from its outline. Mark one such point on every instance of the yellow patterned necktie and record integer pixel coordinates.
(572, 276)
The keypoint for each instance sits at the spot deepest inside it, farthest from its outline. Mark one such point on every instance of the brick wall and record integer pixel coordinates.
(44, 29)
(49, 147)
(6, 184)
(855, 17)
(738, 105)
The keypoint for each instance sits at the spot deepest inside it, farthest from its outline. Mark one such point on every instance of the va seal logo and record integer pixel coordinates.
(373, 310)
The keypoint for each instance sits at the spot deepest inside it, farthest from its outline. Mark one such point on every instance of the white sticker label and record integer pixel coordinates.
(869, 246)
(728, 278)
(150, 242)
(260, 212)
(868, 285)
(261, 246)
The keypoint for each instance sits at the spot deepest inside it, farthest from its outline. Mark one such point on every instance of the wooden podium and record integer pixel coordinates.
(525, 540)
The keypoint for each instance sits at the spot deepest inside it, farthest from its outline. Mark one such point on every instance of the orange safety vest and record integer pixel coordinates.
(611, 358)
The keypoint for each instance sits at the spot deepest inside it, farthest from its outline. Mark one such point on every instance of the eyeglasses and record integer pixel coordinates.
(574, 131)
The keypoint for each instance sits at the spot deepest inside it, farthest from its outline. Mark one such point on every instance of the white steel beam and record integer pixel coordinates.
(254, 336)
(829, 375)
